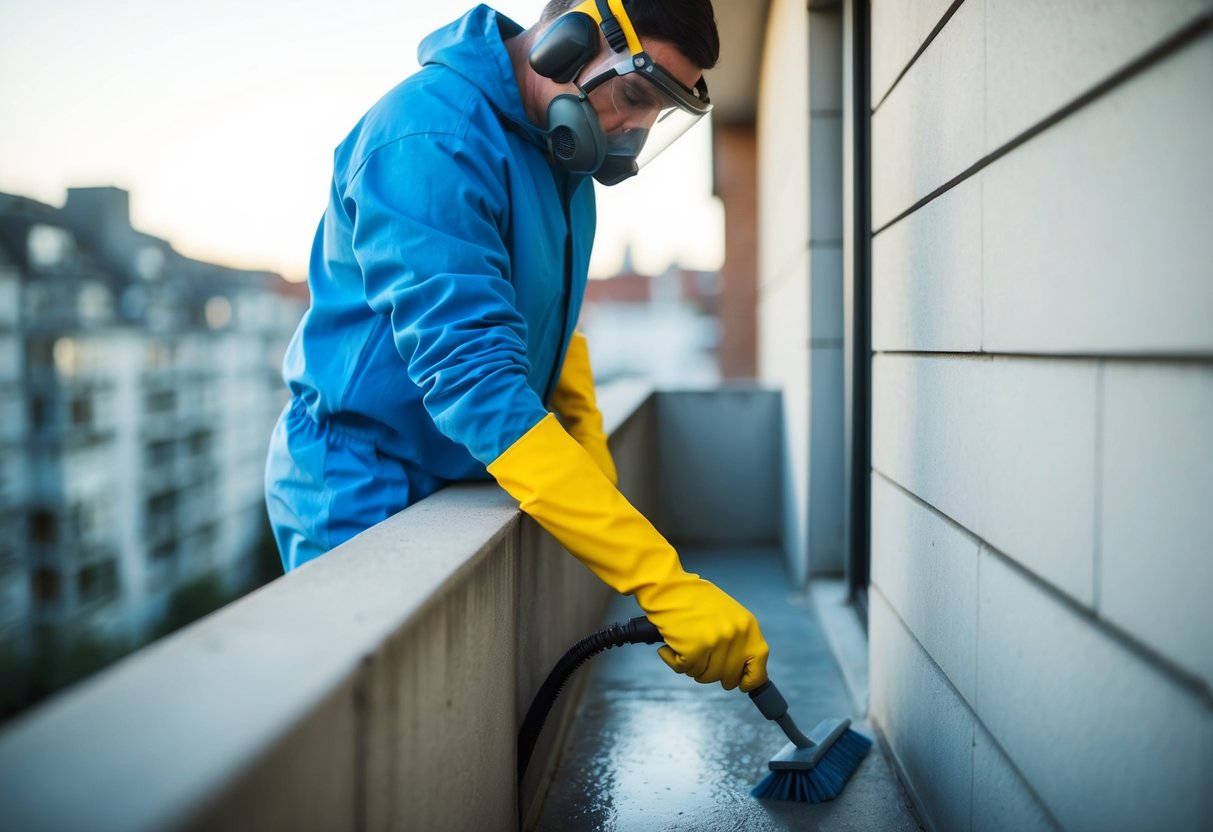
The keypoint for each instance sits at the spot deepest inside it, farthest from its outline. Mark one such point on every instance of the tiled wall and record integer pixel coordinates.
(1042, 407)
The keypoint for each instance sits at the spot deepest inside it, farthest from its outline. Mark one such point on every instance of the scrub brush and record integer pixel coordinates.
(815, 768)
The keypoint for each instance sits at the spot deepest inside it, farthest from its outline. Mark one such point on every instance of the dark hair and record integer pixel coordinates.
(688, 24)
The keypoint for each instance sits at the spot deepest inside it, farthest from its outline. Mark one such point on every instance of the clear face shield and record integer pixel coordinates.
(642, 110)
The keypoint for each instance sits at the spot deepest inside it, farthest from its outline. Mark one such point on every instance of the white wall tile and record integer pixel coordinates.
(825, 61)
(825, 178)
(931, 127)
(1036, 473)
(899, 27)
(825, 305)
(1156, 566)
(1089, 243)
(1044, 54)
(927, 725)
(825, 531)
(927, 569)
(784, 302)
(783, 140)
(1107, 741)
(926, 276)
(1002, 801)
(1004, 447)
(811, 379)
(783, 361)
(925, 429)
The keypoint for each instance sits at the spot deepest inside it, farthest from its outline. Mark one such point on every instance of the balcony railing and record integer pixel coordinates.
(382, 685)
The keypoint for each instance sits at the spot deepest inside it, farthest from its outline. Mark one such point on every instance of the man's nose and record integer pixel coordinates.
(612, 120)
(617, 121)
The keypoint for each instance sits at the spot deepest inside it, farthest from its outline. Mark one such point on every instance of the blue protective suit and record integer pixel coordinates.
(446, 276)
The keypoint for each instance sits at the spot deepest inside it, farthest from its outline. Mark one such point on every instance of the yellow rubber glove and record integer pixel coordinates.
(708, 635)
(574, 400)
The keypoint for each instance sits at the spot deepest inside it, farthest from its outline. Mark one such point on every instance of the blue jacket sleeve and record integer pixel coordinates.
(428, 217)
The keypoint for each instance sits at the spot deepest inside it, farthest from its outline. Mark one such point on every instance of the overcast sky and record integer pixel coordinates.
(221, 117)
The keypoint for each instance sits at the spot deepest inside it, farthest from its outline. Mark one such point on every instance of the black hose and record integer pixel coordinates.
(638, 630)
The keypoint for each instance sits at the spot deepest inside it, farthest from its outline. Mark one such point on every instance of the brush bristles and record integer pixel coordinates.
(823, 782)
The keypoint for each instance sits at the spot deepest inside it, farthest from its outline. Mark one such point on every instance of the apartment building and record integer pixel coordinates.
(14, 594)
(138, 390)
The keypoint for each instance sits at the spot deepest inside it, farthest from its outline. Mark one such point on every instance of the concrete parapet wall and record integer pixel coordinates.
(719, 457)
(378, 687)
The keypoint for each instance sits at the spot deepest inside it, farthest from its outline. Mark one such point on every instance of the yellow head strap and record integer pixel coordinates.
(590, 8)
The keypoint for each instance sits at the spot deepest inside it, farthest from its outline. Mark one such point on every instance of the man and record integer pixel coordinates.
(446, 275)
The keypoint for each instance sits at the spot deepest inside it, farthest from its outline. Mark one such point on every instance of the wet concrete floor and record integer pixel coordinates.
(652, 750)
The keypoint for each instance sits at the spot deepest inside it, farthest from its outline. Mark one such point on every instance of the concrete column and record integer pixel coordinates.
(736, 160)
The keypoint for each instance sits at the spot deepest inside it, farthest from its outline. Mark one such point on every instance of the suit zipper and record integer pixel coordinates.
(568, 289)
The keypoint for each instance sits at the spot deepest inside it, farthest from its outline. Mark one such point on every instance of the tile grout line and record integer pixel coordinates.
(1097, 532)
(981, 262)
(918, 53)
(976, 689)
(1108, 358)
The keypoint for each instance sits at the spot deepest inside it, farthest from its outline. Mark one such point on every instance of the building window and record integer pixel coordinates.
(43, 526)
(160, 401)
(200, 442)
(161, 504)
(44, 583)
(39, 415)
(69, 357)
(41, 353)
(218, 312)
(97, 581)
(49, 246)
(94, 302)
(158, 354)
(82, 412)
(158, 453)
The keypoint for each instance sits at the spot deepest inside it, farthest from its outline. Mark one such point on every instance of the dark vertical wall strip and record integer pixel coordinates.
(858, 565)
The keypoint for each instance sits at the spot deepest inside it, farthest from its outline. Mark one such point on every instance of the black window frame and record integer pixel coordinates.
(860, 474)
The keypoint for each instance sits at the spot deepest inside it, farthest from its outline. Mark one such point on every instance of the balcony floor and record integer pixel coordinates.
(651, 750)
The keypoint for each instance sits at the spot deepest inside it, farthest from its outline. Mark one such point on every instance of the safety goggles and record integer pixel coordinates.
(644, 109)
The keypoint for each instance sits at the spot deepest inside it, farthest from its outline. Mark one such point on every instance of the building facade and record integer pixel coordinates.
(138, 390)
(664, 328)
(986, 289)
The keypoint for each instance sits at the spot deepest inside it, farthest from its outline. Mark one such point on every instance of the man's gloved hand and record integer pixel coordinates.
(577, 405)
(708, 635)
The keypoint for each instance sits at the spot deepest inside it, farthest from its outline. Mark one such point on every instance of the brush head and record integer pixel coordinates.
(824, 781)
